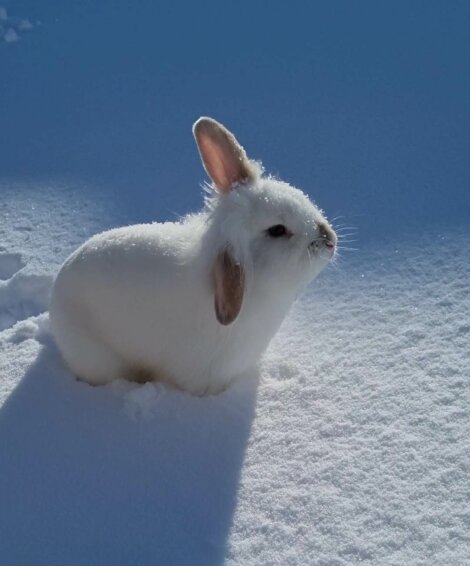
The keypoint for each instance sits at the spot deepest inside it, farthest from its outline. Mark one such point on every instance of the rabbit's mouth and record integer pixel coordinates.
(322, 244)
(321, 252)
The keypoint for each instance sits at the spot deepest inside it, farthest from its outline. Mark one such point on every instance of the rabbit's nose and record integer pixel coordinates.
(327, 236)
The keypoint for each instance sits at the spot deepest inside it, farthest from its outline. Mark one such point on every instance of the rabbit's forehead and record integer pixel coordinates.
(276, 201)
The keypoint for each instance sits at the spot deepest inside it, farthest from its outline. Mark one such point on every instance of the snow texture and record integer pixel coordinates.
(351, 444)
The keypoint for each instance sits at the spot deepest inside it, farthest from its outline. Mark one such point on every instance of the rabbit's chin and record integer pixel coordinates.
(290, 276)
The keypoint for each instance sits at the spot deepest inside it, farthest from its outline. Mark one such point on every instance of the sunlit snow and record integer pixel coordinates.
(353, 447)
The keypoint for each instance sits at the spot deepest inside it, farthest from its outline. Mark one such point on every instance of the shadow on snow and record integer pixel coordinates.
(85, 481)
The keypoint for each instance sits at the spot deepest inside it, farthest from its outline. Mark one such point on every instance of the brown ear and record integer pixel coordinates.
(223, 157)
(229, 279)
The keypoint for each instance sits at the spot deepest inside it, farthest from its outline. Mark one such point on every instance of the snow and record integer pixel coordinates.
(350, 445)
(362, 436)
(351, 442)
(9, 264)
(23, 296)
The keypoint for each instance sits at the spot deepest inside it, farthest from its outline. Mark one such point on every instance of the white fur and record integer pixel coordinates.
(139, 300)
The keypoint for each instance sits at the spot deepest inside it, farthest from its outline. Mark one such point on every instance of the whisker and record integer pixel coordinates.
(342, 248)
(346, 238)
(336, 218)
(336, 261)
(343, 228)
(347, 241)
(346, 234)
(343, 224)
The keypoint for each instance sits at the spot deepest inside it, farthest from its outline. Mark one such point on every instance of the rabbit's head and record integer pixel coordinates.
(267, 235)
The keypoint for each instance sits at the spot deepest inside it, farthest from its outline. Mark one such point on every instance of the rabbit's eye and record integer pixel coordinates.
(278, 231)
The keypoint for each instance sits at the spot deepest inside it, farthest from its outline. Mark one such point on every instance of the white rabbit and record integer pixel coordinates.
(192, 303)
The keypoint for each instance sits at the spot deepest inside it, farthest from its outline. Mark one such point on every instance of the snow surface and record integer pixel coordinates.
(354, 447)
(350, 445)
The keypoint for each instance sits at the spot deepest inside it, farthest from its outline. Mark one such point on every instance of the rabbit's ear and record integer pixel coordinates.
(223, 157)
(229, 286)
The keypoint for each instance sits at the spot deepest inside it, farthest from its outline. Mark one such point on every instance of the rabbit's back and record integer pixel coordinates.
(129, 289)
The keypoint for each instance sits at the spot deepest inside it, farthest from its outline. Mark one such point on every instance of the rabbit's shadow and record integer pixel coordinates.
(85, 481)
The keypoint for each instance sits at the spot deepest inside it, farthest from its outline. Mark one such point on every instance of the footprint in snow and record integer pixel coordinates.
(22, 295)
(10, 264)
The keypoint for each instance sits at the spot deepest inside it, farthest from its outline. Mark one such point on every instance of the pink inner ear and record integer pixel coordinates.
(218, 165)
(223, 157)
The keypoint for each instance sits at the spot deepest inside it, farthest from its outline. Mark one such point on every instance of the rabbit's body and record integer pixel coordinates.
(100, 297)
(192, 303)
